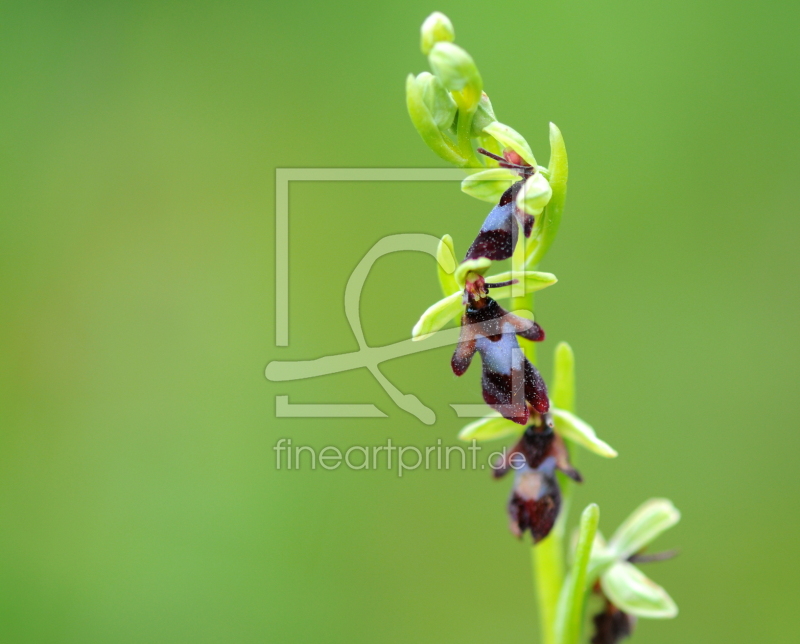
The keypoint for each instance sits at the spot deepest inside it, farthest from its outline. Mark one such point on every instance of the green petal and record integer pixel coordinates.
(437, 316)
(546, 226)
(458, 73)
(573, 428)
(489, 185)
(510, 138)
(446, 265)
(630, 590)
(490, 428)
(531, 280)
(563, 390)
(479, 266)
(642, 527)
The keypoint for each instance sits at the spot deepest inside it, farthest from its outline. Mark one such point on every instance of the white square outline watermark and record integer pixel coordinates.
(366, 356)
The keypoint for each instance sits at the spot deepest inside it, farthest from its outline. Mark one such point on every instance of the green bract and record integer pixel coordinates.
(546, 226)
(436, 28)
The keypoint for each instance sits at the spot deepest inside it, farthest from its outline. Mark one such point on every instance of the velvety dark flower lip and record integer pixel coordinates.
(535, 501)
(510, 382)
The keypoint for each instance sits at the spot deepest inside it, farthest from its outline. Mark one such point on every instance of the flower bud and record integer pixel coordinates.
(437, 99)
(458, 73)
(534, 195)
(484, 115)
(424, 122)
(436, 28)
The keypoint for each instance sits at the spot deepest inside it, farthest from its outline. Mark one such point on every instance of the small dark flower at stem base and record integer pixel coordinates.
(611, 625)
(510, 382)
(536, 498)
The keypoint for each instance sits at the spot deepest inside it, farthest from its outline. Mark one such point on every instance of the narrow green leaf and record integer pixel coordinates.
(446, 265)
(575, 429)
(437, 316)
(510, 138)
(629, 589)
(563, 392)
(491, 427)
(573, 594)
(642, 527)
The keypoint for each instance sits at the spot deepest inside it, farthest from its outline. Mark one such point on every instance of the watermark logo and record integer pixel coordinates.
(367, 357)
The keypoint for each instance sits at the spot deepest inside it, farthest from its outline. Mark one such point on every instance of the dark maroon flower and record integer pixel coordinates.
(510, 382)
(611, 625)
(536, 498)
(498, 235)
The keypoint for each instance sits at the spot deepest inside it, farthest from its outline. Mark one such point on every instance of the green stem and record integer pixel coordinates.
(570, 609)
(548, 577)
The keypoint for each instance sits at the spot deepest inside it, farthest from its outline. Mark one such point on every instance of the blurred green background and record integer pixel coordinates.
(139, 498)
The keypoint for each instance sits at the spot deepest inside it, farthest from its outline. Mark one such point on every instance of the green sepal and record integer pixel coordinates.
(629, 589)
(510, 138)
(490, 428)
(437, 315)
(577, 430)
(479, 266)
(642, 527)
(446, 265)
(489, 185)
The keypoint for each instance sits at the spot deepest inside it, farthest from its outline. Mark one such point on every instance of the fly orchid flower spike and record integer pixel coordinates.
(627, 593)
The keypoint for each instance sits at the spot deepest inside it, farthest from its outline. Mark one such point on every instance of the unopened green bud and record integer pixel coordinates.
(484, 116)
(437, 99)
(436, 28)
(535, 195)
(458, 73)
(425, 124)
